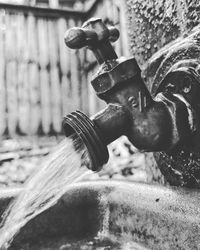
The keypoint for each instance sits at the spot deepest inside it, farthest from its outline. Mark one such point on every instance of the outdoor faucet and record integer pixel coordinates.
(162, 123)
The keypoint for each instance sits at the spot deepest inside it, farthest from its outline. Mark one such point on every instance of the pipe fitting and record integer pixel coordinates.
(160, 124)
(77, 122)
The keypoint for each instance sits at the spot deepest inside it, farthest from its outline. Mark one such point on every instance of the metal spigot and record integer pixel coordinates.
(160, 124)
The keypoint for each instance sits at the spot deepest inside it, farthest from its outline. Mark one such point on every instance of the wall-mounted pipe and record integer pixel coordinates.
(159, 124)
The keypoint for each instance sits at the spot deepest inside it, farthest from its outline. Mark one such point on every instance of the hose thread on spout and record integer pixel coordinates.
(87, 130)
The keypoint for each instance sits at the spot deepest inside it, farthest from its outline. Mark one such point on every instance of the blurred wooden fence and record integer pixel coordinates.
(40, 79)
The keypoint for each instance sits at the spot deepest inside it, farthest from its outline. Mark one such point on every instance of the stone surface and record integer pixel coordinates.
(153, 24)
(158, 28)
(155, 216)
(162, 33)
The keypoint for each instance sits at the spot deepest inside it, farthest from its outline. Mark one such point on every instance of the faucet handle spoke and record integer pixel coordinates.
(77, 38)
(95, 35)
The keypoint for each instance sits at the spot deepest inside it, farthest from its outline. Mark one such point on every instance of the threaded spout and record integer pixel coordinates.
(79, 123)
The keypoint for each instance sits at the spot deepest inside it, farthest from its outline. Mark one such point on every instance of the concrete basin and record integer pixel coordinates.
(155, 217)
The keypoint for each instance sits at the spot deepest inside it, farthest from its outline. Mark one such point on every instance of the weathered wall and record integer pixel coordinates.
(158, 33)
(153, 24)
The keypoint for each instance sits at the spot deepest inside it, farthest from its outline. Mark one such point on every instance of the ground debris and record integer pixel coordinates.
(19, 157)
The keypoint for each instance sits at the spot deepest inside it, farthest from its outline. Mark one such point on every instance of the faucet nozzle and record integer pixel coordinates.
(77, 122)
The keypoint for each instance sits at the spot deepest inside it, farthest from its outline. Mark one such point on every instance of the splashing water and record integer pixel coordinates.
(45, 187)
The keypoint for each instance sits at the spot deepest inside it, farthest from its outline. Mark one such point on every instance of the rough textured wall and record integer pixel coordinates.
(155, 23)
(163, 33)
(158, 33)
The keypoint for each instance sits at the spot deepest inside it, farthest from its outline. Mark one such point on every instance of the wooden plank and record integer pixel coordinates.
(2, 74)
(101, 11)
(32, 46)
(109, 9)
(45, 100)
(22, 52)
(11, 72)
(124, 30)
(10, 36)
(67, 104)
(43, 11)
(64, 60)
(23, 98)
(53, 3)
(52, 42)
(75, 74)
(65, 67)
(33, 74)
(6, 157)
(64, 54)
(34, 95)
(12, 105)
(64, 92)
(43, 42)
(21, 42)
(55, 99)
(54, 76)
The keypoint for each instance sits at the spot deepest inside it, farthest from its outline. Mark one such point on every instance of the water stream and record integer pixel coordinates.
(45, 187)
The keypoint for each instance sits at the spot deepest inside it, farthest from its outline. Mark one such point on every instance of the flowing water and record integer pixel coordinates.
(45, 187)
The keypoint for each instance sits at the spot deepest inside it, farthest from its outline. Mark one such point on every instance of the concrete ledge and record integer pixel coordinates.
(158, 217)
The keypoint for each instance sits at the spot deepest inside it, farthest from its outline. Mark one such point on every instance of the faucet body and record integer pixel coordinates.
(151, 125)
(165, 123)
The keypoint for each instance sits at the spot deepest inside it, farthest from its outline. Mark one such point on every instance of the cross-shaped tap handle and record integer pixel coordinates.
(96, 36)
